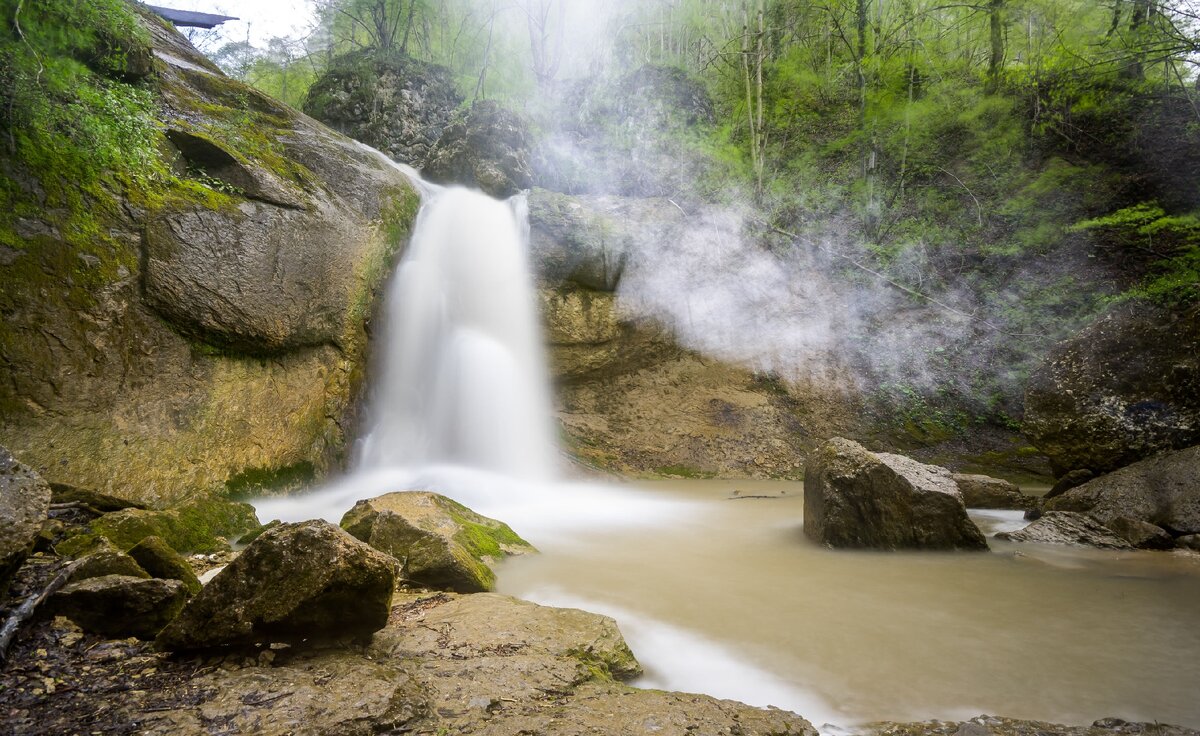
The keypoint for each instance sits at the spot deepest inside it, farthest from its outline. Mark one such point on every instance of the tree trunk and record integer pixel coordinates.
(996, 59)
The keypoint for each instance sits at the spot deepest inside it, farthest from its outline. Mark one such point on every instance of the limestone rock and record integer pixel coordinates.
(985, 492)
(488, 148)
(199, 525)
(1140, 534)
(119, 605)
(24, 504)
(1162, 490)
(108, 562)
(854, 498)
(134, 337)
(1188, 541)
(158, 558)
(397, 104)
(438, 542)
(309, 580)
(997, 726)
(472, 626)
(1124, 388)
(1068, 481)
(1061, 527)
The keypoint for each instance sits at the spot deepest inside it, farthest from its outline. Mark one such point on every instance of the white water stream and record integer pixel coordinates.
(726, 597)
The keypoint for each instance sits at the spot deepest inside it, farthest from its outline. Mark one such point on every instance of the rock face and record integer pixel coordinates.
(858, 499)
(118, 605)
(398, 104)
(212, 336)
(1126, 387)
(24, 503)
(1163, 491)
(985, 492)
(1059, 527)
(297, 581)
(439, 543)
(487, 148)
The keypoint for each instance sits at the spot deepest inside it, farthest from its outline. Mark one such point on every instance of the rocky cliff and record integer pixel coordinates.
(200, 327)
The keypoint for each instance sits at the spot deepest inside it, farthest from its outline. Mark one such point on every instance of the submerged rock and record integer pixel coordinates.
(985, 492)
(309, 580)
(854, 498)
(488, 148)
(1060, 527)
(996, 726)
(24, 504)
(1162, 490)
(119, 605)
(438, 542)
(1124, 388)
(161, 561)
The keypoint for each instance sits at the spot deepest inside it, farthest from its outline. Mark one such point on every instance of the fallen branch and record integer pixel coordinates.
(76, 506)
(739, 498)
(27, 609)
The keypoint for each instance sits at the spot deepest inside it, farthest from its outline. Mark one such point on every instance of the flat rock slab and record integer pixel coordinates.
(1061, 527)
(995, 726)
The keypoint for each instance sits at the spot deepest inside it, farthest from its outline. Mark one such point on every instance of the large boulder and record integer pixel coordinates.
(854, 498)
(487, 147)
(24, 504)
(203, 325)
(395, 103)
(1060, 527)
(119, 605)
(197, 525)
(302, 581)
(1162, 490)
(1124, 388)
(439, 543)
(986, 492)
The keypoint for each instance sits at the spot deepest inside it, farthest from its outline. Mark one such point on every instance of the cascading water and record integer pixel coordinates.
(462, 376)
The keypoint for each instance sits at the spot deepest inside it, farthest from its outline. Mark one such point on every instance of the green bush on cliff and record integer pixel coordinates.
(68, 111)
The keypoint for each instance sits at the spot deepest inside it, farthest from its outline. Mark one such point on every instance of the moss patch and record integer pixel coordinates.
(200, 525)
(254, 482)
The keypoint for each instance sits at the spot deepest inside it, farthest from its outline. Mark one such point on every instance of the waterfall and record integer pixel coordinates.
(461, 379)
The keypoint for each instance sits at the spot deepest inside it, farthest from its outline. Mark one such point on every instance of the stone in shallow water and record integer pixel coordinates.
(854, 498)
(296, 582)
(985, 492)
(439, 543)
(1061, 527)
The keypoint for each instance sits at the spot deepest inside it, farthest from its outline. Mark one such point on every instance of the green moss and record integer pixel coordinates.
(254, 482)
(683, 471)
(199, 525)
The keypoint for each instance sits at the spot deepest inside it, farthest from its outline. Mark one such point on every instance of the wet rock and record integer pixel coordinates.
(488, 148)
(133, 369)
(108, 562)
(985, 492)
(1140, 534)
(1069, 481)
(486, 624)
(854, 498)
(1061, 527)
(1162, 490)
(24, 505)
(158, 558)
(1124, 388)
(1188, 541)
(119, 605)
(397, 104)
(298, 581)
(439, 543)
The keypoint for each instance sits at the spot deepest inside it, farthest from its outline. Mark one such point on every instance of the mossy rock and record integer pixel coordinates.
(158, 558)
(65, 493)
(440, 543)
(200, 525)
(108, 562)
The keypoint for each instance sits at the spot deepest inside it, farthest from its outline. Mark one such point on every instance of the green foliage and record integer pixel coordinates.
(67, 112)
(1173, 277)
